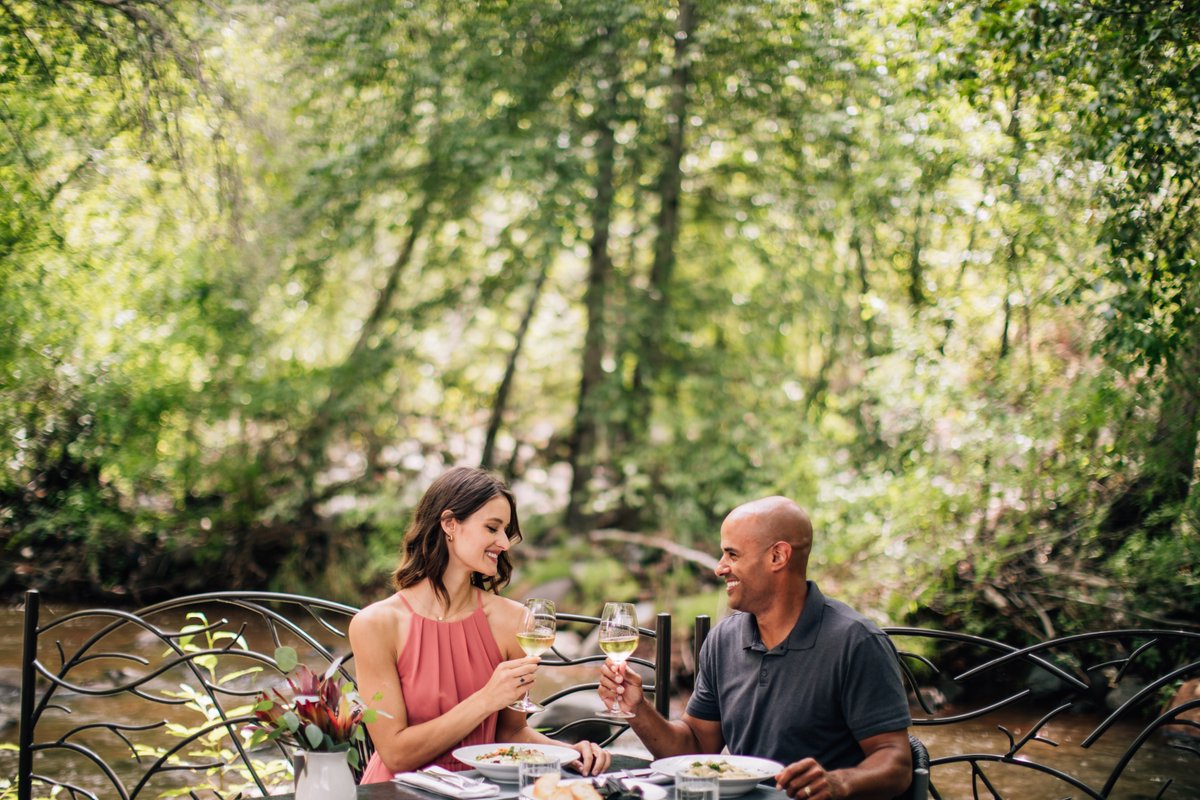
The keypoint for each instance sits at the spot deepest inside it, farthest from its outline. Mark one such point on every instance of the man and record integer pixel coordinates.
(794, 676)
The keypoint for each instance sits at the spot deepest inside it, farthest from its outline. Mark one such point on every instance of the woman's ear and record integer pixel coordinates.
(449, 524)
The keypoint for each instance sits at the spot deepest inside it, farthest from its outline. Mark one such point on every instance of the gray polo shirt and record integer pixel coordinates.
(834, 681)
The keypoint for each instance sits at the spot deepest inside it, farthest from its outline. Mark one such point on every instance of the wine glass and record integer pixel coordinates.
(618, 639)
(536, 636)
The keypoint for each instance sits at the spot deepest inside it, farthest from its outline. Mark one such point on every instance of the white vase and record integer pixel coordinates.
(323, 776)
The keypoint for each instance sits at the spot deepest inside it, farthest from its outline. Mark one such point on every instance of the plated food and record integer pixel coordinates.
(510, 754)
(499, 761)
(717, 768)
(735, 775)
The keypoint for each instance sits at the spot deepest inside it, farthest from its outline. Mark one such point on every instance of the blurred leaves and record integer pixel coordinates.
(935, 277)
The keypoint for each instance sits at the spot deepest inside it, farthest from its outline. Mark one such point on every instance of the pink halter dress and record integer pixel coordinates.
(442, 664)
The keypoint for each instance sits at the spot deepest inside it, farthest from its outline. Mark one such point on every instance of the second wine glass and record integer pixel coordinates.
(536, 636)
(618, 640)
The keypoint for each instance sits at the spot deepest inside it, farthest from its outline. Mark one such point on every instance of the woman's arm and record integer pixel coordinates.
(373, 638)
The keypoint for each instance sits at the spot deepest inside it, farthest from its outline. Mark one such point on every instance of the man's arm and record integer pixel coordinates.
(661, 736)
(884, 773)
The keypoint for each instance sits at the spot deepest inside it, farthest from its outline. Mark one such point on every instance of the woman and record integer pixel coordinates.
(441, 653)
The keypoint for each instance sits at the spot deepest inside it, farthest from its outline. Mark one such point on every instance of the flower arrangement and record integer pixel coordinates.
(323, 714)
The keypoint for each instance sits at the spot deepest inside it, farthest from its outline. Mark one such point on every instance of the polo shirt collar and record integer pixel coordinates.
(804, 633)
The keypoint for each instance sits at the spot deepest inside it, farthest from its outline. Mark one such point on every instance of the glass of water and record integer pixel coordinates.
(528, 773)
(695, 787)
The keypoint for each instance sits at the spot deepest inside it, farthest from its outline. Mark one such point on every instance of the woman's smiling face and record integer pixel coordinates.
(478, 540)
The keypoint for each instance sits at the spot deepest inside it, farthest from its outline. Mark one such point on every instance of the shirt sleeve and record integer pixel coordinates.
(704, 703)
(873, 696)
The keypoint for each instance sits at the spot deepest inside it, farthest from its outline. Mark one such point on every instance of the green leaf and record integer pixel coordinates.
(313, 735)
(238, 674)
(286, 658)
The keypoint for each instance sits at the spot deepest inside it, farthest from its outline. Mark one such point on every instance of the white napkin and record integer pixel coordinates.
(435, 785)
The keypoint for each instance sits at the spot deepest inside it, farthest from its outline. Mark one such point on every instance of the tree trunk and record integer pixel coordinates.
(501, 402)
(916, 280)
(581, 456)
(1004, 335)
(864, 289)
(316, 434)
(653, 323)
(968, 252)
(1014, 189)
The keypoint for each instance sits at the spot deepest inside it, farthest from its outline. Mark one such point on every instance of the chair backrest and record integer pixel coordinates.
(562, 720)
(954, 677)
(919, 788)
(160, 698)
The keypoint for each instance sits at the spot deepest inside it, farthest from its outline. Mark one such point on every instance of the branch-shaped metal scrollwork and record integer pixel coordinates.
(1132, 647)
(216, 671)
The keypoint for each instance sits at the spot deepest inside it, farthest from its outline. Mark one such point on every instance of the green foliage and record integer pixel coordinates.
(934, 276)
(215, 745)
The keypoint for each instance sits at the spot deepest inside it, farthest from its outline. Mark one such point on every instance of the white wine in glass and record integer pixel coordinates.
(536, 642)
(618, 639)
(535, 636)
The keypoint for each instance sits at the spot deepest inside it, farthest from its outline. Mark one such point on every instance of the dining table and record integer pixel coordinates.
(390, 790)
(394, 791)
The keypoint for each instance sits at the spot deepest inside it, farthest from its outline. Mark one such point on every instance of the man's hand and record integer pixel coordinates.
(616, 680)
(884, 772)
(808, 780)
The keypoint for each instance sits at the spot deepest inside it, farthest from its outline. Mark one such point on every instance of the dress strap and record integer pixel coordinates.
(407, 604)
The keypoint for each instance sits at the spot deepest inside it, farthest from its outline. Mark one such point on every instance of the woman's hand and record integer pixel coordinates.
(593, 759)
(509, 682)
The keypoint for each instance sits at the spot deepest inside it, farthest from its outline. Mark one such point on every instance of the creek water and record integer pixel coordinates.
(1158, 764)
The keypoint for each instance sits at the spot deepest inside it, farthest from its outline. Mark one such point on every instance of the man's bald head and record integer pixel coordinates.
(777, 519)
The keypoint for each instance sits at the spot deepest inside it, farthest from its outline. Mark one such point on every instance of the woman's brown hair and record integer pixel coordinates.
(462, 491)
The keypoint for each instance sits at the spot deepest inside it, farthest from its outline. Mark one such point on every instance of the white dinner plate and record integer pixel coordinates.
(762, 768)
(505, 771)
(650, 791)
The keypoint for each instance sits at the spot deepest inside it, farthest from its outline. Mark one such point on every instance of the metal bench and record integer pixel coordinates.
(159, 699)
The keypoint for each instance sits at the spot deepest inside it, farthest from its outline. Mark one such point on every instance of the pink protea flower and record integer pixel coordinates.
(322, 713)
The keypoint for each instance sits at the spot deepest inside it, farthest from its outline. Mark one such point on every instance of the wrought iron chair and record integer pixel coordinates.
(919, 788)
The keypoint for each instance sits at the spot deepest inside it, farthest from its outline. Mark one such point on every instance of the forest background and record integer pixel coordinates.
(927, 267)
